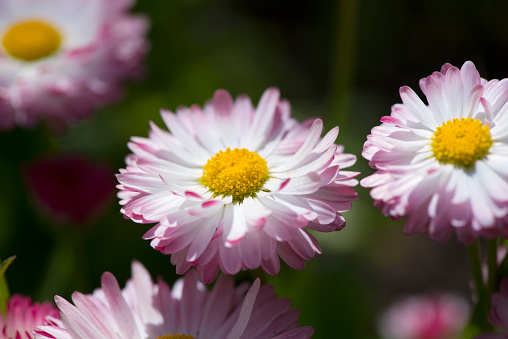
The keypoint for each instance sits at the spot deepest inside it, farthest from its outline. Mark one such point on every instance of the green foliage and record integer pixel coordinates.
(4, 288)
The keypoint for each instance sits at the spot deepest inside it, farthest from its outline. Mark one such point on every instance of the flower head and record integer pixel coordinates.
(70, 188)
(237, 187)
(439, 316)
(23, 316)
(443, 165)
(59, 59)
(188, 310)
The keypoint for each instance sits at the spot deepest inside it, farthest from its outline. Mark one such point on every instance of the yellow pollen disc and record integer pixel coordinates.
(238, 173)
(31, 40)
(461, 142)
(175, 336)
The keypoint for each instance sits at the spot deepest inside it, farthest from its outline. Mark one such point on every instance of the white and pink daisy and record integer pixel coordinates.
(187, 311)
(435, 316)
(443, 165)
(237, 187)
(59, 59)
(23, 316)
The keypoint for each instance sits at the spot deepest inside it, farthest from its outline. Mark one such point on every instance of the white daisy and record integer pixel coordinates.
(144, 310)
(61, 59)
(236, 187)
(444, 164)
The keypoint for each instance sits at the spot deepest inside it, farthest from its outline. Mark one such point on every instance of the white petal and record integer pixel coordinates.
(417, 108)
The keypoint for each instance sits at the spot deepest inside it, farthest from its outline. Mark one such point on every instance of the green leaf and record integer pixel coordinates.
(4, 288)
(5, 264)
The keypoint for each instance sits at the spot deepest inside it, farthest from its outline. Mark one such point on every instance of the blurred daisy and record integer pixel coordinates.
(70, 188)
(187, 311)
(498, 315)
(61, 59)
(236, 187)
(22, 317)
(425, 317)
(444, 164)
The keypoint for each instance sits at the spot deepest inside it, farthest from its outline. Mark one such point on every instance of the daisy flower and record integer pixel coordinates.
(187, 311)
(444, 164)
(61, 59)
(70, 188)
(236, 187)
(22, 317)
(437, 316)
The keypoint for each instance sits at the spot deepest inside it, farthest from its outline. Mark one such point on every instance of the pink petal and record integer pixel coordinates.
(119, 308)
(245, 311)
(290, 257)
(218, 305)
(76, 323)
(222, 102)
(297, 333)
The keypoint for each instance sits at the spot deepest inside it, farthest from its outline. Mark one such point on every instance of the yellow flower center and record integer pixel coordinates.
(175, 336)
(238, 173)
(31, 40)
(461, 142)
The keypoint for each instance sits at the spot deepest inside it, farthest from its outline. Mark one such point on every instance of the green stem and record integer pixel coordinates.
(343, 63)
(493, 277)
(66, 268)
(473, 252)
(503, 267)
(4, 295)
(59, 270)
(482, 308)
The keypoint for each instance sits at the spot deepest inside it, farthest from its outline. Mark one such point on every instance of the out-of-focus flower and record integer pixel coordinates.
(425, 317)
(498, 315)
(70, 188)
(61, 59)
(237, 187)
(444, 164)
(147, 310)
(23, 316)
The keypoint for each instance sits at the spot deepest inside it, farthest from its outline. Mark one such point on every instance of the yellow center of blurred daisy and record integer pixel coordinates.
(238, 173)
(461, 142)
(175, 336)
(31, 40)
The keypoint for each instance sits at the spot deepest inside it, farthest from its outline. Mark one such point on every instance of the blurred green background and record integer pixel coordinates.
(341, 60)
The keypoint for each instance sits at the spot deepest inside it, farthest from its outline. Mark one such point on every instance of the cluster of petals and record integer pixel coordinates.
(147, 310)
(434, 316)
(439, 198)
(307, 187)
(101, 45)
(23, 316)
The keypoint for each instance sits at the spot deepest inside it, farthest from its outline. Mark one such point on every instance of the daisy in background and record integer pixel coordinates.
(23, 316)
(60, 59)
(434, 316)
(498, 315)
(443, 164)
(237, 187)
(69, 188)
(187, 311)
